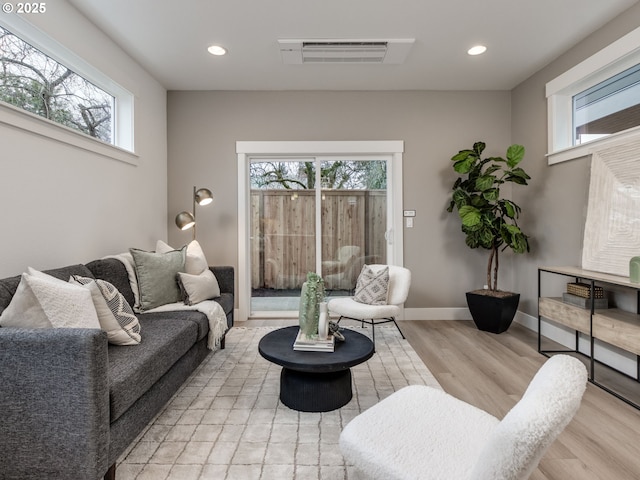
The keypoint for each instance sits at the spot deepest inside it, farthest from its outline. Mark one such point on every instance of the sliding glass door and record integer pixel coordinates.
(323, 214)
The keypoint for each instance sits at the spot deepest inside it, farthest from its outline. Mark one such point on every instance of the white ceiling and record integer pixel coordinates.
(170, 39)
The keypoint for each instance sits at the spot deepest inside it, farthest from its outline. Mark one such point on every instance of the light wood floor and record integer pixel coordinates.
(492, 372)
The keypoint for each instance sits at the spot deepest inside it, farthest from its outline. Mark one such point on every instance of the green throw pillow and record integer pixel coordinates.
(156, 274)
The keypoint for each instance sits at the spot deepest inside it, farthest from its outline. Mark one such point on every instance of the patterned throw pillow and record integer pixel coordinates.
(372, 286)
(114, 312)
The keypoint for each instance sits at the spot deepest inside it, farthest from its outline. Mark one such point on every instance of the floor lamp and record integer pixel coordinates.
(187, 220)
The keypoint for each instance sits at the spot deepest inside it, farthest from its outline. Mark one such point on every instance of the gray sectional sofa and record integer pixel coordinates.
(71, 403)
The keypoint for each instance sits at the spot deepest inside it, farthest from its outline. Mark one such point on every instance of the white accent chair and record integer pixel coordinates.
(424, 433)
(399, 283)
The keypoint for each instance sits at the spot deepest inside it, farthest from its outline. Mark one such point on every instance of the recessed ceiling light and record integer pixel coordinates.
(477, 50)
(217, 50)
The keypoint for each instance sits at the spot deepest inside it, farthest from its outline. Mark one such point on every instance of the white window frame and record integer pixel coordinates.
(248, 150)
(123, 146)
(617, 57)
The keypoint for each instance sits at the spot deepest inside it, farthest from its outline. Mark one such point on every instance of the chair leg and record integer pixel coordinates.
(373, 333)
(394, 322)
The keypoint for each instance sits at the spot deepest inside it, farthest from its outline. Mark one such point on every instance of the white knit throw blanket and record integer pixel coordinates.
(212, 309)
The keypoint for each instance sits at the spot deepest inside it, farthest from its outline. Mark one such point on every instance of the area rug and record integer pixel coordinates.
(227, 422)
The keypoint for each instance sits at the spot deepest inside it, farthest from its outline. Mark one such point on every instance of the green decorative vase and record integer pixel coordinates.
(634, 270)
(311, 296)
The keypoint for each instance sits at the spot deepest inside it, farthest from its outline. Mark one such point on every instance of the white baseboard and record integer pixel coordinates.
(461, 313)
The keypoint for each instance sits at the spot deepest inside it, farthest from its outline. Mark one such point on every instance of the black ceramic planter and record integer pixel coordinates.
(492, 314)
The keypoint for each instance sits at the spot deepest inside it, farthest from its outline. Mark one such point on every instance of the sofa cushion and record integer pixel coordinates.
(195, 261)
(114, 312)
(113, 271)
(8, 286)
(43, 301)
(132, 371)
(199, 319)
(156, 272)
(198, 288)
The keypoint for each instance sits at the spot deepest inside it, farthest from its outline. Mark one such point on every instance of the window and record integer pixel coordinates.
(44, 85)
(597, 102)
(608, 107)
(35, 82)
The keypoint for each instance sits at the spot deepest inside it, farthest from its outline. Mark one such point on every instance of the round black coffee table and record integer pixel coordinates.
(315, 381)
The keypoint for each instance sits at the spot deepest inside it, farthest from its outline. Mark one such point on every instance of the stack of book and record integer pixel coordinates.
(313, 344)
(579, 294)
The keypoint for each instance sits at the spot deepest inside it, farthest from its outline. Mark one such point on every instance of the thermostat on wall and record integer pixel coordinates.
(409, 213)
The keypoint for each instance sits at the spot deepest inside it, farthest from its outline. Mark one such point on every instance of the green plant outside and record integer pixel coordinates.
(489, 221)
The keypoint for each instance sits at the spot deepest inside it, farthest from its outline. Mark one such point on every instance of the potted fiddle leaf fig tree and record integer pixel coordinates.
(490, 221)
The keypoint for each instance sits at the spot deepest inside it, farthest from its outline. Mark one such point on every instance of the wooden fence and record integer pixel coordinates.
(283, 233)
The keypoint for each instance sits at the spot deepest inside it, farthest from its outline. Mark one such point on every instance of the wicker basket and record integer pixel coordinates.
(584, 290)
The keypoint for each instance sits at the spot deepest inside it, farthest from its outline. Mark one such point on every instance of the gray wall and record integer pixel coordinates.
(204, 126)
(60, 204)
(556, 204)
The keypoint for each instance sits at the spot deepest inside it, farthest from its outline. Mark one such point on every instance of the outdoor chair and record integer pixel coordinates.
(424, 433)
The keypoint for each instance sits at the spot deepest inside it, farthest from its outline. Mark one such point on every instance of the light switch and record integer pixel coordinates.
(409, 221)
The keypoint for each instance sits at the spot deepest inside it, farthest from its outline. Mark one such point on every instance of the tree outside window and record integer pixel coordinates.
(34, 82)
(335, 175)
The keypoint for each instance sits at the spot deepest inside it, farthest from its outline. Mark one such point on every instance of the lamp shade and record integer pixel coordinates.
(204, 196)
(185, 220)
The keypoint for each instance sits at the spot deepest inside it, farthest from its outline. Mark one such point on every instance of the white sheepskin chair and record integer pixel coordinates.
(421, 432)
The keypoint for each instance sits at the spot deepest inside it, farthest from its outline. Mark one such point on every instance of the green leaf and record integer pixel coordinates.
(509, 209)
(461, 155)
(469, 215)
(515, 153)
(460, 197)
(451, 205)
(519, 172)
(479, 147)
(464, 166)
(491, 195)
(485, 182)
(472, 241)
(517, 180)
(491, 169)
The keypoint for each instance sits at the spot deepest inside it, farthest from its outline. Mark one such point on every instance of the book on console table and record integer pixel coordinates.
(584, 302)
(309, 344)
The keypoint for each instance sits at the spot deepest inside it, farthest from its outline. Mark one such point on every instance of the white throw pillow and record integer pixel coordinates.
(372, 287)
(114, 312)
(43, 301)
(195, 263)
(24, 310)
(198, 288)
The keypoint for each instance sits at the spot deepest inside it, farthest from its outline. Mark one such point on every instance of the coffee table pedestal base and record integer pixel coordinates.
(315, 392)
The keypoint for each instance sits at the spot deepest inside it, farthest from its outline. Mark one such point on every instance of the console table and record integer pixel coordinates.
(611, 326)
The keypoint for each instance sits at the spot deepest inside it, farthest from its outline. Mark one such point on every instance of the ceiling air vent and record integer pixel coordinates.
(296, 52)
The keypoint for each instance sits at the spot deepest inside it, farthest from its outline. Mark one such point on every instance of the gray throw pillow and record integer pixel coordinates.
(156, 274)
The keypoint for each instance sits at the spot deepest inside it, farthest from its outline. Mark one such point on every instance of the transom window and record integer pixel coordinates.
(596, 104)
(49, 90)
(608, 107)
(35, 82)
